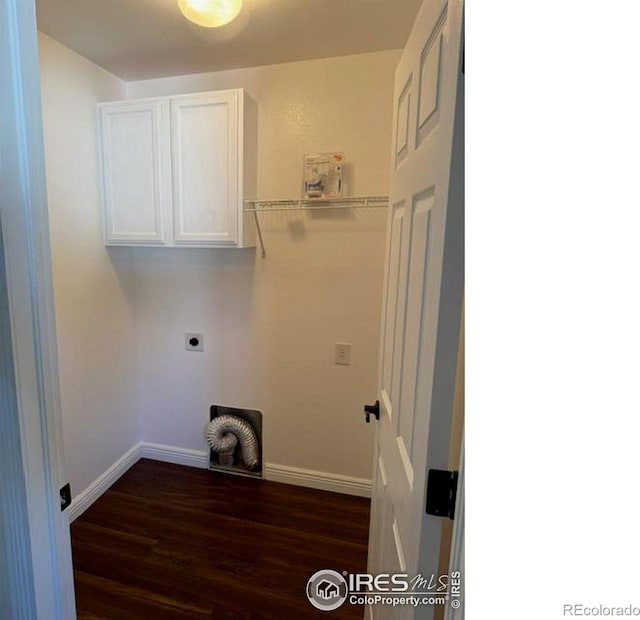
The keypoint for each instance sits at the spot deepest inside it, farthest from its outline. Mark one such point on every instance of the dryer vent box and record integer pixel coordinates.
(254, 418)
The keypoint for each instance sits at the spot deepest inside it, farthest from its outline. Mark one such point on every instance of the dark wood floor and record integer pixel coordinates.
(171, 542)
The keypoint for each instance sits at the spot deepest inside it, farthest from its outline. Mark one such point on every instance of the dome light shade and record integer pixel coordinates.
(210, 13)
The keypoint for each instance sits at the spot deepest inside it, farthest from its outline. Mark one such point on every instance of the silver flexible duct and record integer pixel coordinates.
(225, 431)
(224, 444)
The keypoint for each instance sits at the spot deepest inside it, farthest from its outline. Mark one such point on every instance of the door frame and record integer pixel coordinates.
(456, 558)
(37, 582)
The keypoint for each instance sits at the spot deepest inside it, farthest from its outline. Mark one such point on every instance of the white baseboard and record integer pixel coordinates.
(101, 484)
(171, 454)
(276, 473)
(318, 480)
(196, 458)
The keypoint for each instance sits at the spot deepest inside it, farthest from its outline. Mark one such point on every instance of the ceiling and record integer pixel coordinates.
(140, 39)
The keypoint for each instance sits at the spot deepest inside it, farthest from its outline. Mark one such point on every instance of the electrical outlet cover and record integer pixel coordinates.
(343, 354)
(193, 341)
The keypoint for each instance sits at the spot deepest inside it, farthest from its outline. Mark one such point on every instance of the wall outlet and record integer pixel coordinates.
(193, 341)
(343, 354)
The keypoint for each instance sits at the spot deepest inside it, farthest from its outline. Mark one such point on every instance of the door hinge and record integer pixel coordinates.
(65, 497)
(442, 488)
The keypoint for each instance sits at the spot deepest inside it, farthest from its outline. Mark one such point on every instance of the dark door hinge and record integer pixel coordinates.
(65, 497)
(442, 488)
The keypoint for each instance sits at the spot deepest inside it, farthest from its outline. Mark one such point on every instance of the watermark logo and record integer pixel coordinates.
(578, 609)
(327, 590)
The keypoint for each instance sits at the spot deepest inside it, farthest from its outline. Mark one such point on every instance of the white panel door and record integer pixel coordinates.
(134, 182)
(204, 151)
(422, 299)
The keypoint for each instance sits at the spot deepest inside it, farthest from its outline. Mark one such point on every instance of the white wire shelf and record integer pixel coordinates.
(351, 202)
(310, 204)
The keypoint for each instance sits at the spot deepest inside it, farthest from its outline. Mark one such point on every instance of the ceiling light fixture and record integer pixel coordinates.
(210, 13)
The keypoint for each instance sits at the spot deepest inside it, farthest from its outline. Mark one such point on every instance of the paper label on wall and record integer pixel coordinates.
(323, 175)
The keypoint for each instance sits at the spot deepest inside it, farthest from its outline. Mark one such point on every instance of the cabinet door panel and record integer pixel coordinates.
(133, 177)
(205, 168)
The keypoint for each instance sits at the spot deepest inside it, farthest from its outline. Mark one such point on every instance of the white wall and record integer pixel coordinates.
(270, 325)
(94, 291)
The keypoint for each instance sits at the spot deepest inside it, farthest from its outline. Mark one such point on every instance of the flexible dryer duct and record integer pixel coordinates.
(225, 431)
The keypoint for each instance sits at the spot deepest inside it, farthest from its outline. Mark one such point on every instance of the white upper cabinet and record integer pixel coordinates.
(177, 170)
(204, 156)
(134, 145)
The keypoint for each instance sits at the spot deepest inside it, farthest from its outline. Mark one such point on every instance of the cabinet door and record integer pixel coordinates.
(204, 158)
(133, 148)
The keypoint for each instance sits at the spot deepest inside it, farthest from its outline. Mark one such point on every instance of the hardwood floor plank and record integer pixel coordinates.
(168, 541)
(116, 600)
